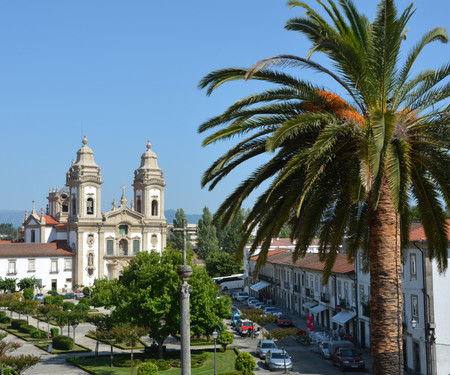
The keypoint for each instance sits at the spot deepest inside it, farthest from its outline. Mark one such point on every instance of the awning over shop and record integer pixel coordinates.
(318, 309)
(308, 305)
(343, 317)
(258, 286)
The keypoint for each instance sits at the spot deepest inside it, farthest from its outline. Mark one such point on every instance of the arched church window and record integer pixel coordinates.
(33, 236)
(74, 206)
(154, 207)
(138, 204)
(65, 208)
(90, 206)
(123, 247)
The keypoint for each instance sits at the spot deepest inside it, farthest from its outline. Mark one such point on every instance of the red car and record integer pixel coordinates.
(284, 321)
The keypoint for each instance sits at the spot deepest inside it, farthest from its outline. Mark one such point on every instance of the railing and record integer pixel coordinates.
(366, 310)
(309, 292)
(265, 278)
(296, 288)
(344, 304)
(325, 297)
(286, 285)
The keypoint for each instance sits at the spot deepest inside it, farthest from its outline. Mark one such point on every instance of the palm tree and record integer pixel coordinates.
(344, 169)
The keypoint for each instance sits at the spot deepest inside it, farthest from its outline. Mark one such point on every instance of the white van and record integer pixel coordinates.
(242, 296)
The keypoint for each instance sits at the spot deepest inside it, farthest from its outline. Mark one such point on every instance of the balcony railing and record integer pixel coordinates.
(296, 288)
(325, 297)
(344, 304)
(265, 278)
(309, 292)
(286, 285)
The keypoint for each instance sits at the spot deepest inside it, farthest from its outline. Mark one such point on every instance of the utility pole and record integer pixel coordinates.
(185, 272)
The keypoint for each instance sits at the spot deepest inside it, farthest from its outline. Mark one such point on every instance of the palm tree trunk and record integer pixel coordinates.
(385, 287)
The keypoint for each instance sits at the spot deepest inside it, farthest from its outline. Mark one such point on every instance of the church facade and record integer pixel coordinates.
(100, 243)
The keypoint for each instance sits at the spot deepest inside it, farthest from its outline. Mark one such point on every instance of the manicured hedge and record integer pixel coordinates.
(26, 328)
(54, 332)
(62, 343)
(16, 323)
(38, 334)
(147, 368)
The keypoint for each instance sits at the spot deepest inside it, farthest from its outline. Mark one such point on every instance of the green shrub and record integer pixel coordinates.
(26, 328)
(245, 363)
(58, 300)
(28, 293)
(86, 291)
(2, 314)
(225, 338)
(5, 319)
(62, 342)
(82, 307)
(52, 292)
(68, 306)
(147, 368)
(16, 323)
(38, 334)
(49, 300)
(54, 332)
(126, 362)
(85, 301)
(176, 363)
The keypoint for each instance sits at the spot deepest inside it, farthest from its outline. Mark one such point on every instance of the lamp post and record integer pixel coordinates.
(68, 322)
(413, 323)
(20, 308)
(215, 335)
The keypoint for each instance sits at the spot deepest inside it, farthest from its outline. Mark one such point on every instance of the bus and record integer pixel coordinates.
(230, 282)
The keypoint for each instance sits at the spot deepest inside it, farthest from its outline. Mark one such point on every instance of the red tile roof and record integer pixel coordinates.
(35, 250)
(310, 261)
(5, 242)
(270, 253)
(49, 220)
(418, 234)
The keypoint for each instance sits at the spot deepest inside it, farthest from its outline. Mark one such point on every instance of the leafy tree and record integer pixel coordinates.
(74, 319)
(7, 346)
(221, 263)
(20, 363)
(225, 338)
(130, 335)
(61, 319)
(10, 232)
(8, 284)
(103, 324)
(48, 312)
(258, 316)
(245, 363)
(28, 307)
(206, 310)
(207, 241)
(230, 235)
(344, 164)
(176, 239)
(27, 283)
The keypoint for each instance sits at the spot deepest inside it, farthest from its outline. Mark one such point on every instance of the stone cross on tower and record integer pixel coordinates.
(185, 289)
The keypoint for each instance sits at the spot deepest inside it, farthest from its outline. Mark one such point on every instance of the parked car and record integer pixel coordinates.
(232, 293)
(277, 360)
(324, 350)
(39, 297)
(271, 310)
(234, 311)
(78, 294)
(235, 319)
(241, 296)
(284, 321)
(264, 346)
(244, 326)
(253, 303)
(251, 299)
(348, 359)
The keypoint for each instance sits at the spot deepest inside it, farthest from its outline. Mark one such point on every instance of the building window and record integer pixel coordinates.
(136, 246)
(339, 288)
(413, 266)
(65, 208)
(12, 267)
(303, 280)
(31, 265)
(67, 264)
(33, 236)
(109, 247)
(138, 204)
(74, 206)
(90, 206)
(361, 292)
(414, 307)
(316, 284)
(123, 230)
(154, 207)
(307, 282)
(54, 266)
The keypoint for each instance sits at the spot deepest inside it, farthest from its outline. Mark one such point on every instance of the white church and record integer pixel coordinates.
(74, 242)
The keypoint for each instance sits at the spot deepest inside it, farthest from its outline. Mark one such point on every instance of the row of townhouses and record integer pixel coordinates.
(341, 306)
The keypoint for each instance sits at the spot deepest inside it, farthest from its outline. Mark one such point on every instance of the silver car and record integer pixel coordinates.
(264, 346)
(276, 359)
(323, 350)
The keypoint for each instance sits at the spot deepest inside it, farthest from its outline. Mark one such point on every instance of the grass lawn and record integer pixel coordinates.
(100, 366)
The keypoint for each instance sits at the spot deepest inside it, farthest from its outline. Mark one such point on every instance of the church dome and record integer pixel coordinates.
(149, 168)
(85, 156)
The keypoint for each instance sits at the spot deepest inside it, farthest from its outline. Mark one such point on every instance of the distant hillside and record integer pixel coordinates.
(15, 217)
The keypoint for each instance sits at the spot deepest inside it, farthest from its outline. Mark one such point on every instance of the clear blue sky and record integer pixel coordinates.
(122, 72)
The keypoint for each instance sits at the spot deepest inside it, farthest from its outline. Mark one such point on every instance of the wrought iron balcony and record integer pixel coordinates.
(309, 292)
(325, 297)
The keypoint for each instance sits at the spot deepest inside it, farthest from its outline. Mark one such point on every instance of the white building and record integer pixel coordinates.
(99, 244)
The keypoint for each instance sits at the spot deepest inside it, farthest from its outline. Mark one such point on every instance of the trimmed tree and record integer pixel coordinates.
(245, 363)
(225, 338)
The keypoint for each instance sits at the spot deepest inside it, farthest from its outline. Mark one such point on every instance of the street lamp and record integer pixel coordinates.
(215, 335)
(20, 308)
(413, 323)
(68, 322)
